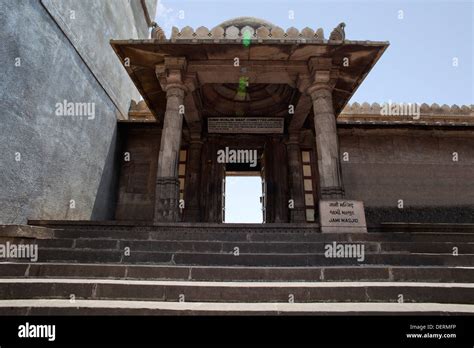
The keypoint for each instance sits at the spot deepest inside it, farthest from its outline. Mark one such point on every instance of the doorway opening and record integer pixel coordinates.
(243, 197)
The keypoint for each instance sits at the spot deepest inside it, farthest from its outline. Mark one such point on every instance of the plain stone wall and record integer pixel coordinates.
(63, 158)
(413, 165)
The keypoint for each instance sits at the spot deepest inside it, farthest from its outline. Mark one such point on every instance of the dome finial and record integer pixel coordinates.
(241, 22)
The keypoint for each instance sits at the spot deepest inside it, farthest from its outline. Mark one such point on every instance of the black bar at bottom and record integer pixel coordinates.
(452, 331)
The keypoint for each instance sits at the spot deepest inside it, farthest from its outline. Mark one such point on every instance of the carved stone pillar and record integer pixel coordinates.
(170, 75)
(327, 143)
(295, 176)
(192, 210)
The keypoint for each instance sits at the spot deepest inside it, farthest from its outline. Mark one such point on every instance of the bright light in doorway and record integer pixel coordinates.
(242, 199)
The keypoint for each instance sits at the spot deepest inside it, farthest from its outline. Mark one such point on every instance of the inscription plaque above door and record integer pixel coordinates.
(252, 125)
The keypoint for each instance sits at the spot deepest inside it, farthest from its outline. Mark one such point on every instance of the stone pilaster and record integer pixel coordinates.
(167, 199)
(295, 176)
(170, 75)
(192, 210)
(327, 144)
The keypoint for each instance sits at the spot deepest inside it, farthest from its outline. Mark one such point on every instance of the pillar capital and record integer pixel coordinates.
(171, 73)
(293, 138)
(320, 91)
(323, 76)
(322, 84)
(195, 138)
(319, 64)
(174, 90)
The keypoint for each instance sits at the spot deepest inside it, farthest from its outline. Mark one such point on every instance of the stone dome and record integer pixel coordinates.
(241, 22)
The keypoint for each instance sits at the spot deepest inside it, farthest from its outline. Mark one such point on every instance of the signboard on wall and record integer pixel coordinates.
(248, 125)
(342, 216)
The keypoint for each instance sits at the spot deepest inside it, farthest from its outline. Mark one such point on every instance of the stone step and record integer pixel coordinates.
(230, 235)
(243, 247)
(426, 227)
(229, 259)
(208, 273)
(170, 226)
(247, 292)
(429, 247)
(318, 259)
(384, 227)
(47, 243)
(107, 307)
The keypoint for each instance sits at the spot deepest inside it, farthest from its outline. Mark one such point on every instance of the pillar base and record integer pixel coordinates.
(192, 215)
(298, 215)
(167, 200)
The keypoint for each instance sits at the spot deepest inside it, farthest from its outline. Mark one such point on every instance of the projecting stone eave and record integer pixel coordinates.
(144, 55)
(253, 41)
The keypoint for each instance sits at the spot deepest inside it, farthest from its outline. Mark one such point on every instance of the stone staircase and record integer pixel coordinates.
(120, 268)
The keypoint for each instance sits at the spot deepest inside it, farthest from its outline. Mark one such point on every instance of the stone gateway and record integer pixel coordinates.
(312, 147)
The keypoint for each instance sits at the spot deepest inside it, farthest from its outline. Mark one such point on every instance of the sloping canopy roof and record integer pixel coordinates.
(276, 59)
